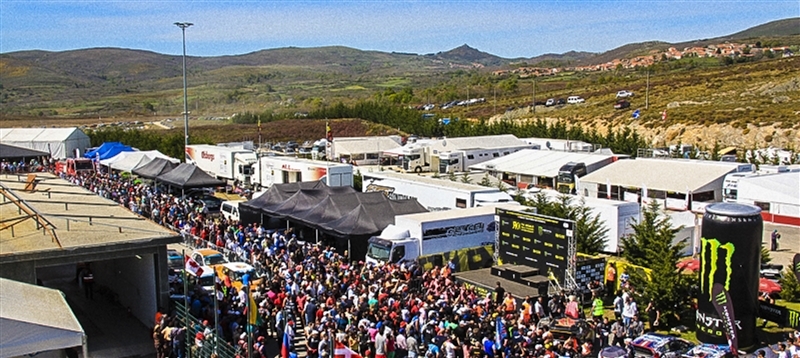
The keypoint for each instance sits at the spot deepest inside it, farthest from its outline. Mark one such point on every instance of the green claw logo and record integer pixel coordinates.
(794, 319)
(712, 248)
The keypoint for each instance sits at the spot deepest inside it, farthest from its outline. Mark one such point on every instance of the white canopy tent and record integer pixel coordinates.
(127, 161)
(59, 142)
(36, 319)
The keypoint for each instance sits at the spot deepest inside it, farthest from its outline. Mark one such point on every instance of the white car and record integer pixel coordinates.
(624, 94)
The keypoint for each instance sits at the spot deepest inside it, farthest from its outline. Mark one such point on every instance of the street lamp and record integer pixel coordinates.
(183, 26)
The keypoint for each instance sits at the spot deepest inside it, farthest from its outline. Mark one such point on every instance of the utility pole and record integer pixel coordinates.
(533, 104)
(647, 91)
(183, 26)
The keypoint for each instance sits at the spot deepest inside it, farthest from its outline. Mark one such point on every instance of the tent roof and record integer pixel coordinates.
(533, 162)
(35, 319)
(102, 148)
(154, 168)
(341, 211)
(12, 151)
(39, 134)
(127, 161)
(187, 176)
(676, 175)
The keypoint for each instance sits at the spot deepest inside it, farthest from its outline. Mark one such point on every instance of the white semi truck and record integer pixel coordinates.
(417, 235)
(454, 155)
(281, 170)
(234, 164)
(432, 193)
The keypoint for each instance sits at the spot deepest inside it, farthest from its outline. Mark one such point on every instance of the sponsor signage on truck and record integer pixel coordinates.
(535, 240)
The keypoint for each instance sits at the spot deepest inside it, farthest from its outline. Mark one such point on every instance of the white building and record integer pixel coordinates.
(778, 196)
(59, 142)
(667, 181)
(538, 167)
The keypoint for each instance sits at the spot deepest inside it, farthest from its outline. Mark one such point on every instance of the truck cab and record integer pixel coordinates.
(381, 251)
(450, 163)
(244, 167)
(415, 160)
(567, 175)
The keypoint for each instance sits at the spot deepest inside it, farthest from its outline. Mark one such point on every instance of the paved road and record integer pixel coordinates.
(788, 246)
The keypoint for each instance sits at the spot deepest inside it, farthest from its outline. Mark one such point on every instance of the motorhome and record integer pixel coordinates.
(282, 170)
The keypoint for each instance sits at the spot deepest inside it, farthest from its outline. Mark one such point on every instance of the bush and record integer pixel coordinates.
(790, 286)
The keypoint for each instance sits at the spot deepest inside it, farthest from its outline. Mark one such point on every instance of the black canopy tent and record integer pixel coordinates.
(188, 176)
(156, 167)
(337, 212)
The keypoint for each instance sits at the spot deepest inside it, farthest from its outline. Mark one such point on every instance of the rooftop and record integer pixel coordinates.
(57, 216)
(428, 181)
(677, 175)
(545, 163)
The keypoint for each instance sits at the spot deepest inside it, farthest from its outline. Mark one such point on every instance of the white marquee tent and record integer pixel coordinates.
(59, 142)
(35, 319)
(128, 161)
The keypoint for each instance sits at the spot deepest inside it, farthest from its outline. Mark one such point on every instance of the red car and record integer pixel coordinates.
(622, 104)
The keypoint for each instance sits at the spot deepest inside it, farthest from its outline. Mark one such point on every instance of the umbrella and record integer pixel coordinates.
(689, 264)
(768, 286)
(612, 352)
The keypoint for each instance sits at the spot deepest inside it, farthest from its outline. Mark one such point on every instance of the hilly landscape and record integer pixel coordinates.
(746, 99)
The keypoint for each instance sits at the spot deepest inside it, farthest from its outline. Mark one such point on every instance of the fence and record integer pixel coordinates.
(214, 345)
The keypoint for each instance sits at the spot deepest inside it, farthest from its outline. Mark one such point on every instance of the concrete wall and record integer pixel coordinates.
(133, 279)
(19, 271)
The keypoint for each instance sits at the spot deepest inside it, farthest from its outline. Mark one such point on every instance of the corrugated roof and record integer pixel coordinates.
(675, 175)
(429, 181)
(776, 188)
(538, 162)
(345, 146)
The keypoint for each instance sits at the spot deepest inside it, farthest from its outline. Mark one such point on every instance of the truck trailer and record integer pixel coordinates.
(282, 170)
(415, 236)
(434, 194)
(454, 155)
(227, 163)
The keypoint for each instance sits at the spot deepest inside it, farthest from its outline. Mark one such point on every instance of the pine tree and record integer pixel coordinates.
(465, 178)
(485, 180)
(590, 231)
(790, 286)
(651, 246)
(452, 176)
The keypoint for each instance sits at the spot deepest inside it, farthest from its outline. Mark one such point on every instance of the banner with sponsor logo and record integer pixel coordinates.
(724, 307)
(781, 315)
(535, 240)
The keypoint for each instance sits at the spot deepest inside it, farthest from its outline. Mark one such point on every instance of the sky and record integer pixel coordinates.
(510, 28)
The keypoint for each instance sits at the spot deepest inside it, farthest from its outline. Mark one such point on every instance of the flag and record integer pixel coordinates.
(500, 333)
(636, 114)
(328, 132)
(724, 307)
(285, 345)
(664, 115)
(342, 351)
(608, 188)
(259, 125)
(193, 267)
(577, 184)
(644, 193)
(688, 199)
(252, 310)
(796, 265)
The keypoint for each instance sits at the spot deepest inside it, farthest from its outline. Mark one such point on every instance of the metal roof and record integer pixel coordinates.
(776, 188)
(480, 142)
(675, 175)
(59, 216)
(460, 213)
(356, 145)
(544, 163)
(430, 181)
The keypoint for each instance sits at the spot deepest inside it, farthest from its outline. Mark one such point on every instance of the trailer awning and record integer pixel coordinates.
(494, 197)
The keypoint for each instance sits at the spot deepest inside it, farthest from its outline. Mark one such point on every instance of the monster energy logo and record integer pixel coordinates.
(722, 298)
(712, 247)
(794, 319)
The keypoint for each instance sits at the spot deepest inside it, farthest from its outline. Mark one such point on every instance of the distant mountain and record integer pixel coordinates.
(466, 54)
(785, 27)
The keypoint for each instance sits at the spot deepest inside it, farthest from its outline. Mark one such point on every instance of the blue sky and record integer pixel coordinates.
(504, 28)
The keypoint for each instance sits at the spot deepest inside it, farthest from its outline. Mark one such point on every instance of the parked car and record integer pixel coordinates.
(624, 94)
(622, 104)
(212, 203)
(230, 209)
(208, 257)
(235, 272)
(653, 345)
(550, 102)
(174, 259)
(561, 101)
(575, 99)
(707, 350)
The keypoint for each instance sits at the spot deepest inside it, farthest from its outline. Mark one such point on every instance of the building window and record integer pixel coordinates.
(495, 154)
(461, 203)
(470, 157)
(764, 206)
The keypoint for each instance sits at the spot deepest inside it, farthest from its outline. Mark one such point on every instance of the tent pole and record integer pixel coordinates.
(348, 248)
(316, 236)
(85, 345)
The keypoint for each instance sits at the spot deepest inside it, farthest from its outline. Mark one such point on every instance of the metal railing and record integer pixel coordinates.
(215, 345)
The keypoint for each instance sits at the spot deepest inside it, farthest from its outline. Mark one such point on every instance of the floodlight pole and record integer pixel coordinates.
(183, 26)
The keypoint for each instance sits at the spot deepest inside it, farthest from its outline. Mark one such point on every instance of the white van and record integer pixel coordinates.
(206, 279)
(230, 210)
(575, 99)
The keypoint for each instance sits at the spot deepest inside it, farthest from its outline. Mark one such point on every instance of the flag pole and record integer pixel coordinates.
(249, 324)
(185, 287)
(216, 312)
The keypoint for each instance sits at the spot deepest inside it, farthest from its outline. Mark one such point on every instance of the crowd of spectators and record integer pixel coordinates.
(376, 310)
